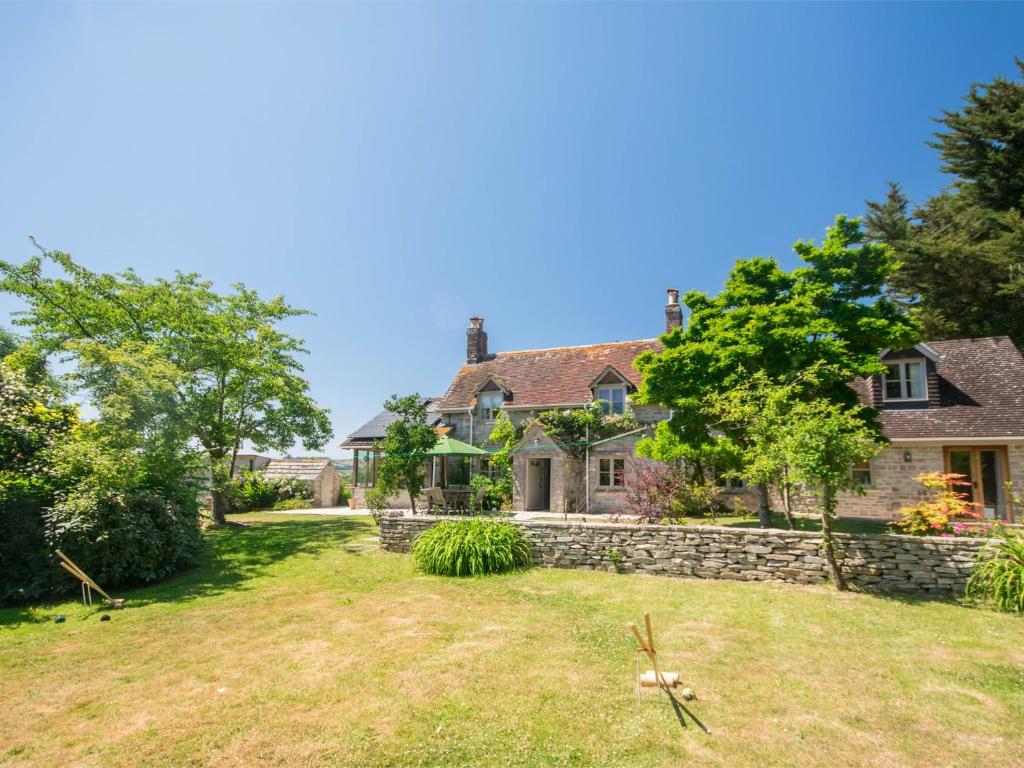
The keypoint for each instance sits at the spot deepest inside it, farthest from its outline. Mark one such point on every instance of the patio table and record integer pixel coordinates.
(456, 500)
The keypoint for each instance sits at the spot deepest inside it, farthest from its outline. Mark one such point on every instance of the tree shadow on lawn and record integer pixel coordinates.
(236, 554)
(231, 556)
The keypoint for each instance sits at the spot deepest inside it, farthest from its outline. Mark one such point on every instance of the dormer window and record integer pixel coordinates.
(612, 399)
(904, 380)
(489, 404)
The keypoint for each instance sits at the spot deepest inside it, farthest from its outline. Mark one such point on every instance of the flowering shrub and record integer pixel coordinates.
(985, 530)
(254, 490)
(656, 492)
(935, 516)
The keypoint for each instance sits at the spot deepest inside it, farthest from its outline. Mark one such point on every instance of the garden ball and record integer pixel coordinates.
(58, 619)
(105, 617)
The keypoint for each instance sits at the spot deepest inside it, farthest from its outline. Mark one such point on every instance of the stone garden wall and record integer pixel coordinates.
(874, 562)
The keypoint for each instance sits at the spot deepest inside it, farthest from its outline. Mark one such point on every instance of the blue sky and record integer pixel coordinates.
(398, 168)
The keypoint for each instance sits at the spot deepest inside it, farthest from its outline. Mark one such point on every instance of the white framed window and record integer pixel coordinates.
(611, 473)
(489, 404)
(904, 380)
(612, 399)
(861, 474)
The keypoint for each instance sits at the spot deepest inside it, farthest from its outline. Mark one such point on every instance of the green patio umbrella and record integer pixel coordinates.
(449, 446)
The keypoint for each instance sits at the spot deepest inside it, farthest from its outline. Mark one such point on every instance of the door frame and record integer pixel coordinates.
(978, 491)
(537, 506)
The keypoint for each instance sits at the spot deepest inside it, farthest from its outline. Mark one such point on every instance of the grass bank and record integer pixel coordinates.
(299, 643)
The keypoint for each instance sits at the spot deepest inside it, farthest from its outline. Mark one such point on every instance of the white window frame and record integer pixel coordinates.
(904, 379)
(607, 403)
(864, 466)
(490, 412)
(611, 484)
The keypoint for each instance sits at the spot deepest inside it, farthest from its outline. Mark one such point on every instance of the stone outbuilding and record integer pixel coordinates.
(319, 473)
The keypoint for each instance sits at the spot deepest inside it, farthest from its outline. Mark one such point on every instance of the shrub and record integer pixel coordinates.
(472, 547)
(254, 490)
(656, 492)
(125, 538)
(934, 516)
(291, 503)
(377, 503)
(494, 489)
(998, 575)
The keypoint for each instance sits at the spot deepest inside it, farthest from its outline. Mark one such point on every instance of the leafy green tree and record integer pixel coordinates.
(822, 440)
(174, 358)
(32, 421)
(830, 314)
(406, 442)
(502, 481)
(8, 342)
(960, 254)
(759, 410)
(127, 510)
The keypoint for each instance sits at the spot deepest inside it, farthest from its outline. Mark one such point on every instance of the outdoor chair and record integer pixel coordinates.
(477, 505)
(435, 501)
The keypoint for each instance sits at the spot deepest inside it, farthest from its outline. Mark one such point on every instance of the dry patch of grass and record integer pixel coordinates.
(297, 645)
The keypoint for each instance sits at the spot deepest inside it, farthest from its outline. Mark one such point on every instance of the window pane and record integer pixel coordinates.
(892, 382)
(618, 401)
(604, 472)
(862, 473)
(915, 380)
(619, 476)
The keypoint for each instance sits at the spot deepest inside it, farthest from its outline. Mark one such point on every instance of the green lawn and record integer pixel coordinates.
(299, 643)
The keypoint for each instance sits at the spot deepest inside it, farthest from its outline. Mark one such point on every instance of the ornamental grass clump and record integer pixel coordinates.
(471, 548)
(998, 575)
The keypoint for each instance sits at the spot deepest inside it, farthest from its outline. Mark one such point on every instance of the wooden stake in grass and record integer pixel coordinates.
(87, 583)
(656, 678)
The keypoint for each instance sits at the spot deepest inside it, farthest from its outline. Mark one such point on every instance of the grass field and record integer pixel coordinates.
(299, 643)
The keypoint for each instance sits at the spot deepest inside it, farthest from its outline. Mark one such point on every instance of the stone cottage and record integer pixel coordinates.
(953, 406)
(319, 473)
(946, 406)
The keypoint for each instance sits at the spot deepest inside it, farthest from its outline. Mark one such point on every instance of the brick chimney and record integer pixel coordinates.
(476, 341)
(673, 312)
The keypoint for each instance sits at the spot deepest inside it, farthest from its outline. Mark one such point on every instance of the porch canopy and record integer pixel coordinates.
(449, 446)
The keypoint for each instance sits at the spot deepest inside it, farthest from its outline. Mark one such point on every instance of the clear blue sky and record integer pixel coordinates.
(397, 168)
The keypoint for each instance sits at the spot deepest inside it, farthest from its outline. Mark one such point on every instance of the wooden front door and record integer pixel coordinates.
(987, 470)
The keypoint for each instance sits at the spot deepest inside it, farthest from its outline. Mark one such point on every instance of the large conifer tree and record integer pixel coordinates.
(960, 254)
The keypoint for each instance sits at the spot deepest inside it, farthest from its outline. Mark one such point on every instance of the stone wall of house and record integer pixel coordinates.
(872, 562)
(1015, 459)
(611, 500)
(894, 482)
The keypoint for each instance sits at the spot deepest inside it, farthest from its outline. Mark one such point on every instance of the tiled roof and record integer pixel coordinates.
(981, 393)
(303, 469)
(546, 377)
(375, 427)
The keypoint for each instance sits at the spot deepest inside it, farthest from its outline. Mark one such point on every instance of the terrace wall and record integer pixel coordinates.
(872, 562)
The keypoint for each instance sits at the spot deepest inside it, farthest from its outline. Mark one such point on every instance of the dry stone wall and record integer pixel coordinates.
(873, 562)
